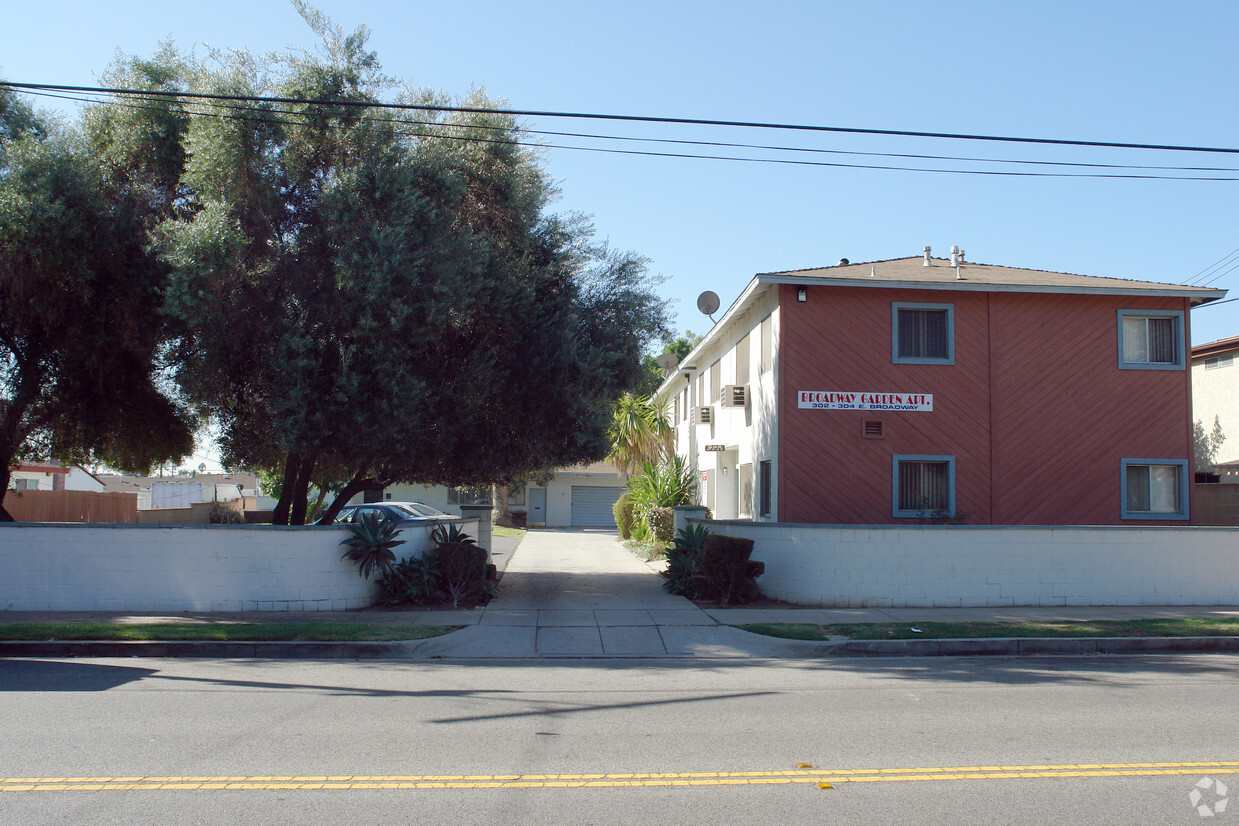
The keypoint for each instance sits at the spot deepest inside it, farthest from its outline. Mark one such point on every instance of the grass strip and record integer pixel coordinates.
(1178, 627)
(224, 631)
(512, 533)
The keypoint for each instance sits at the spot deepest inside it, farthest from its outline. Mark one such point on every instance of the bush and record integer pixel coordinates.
(220, 515)
(661, 522)
(681, 576)
(726, 573)
(625, 515)
(463, 573)
(370, 544)
(414, 580)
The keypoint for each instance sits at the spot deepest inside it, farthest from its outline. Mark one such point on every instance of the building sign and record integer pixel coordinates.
(715, 448)
(835, 400)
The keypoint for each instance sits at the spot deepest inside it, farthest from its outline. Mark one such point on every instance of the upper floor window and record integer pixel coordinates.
(922, 333)
(767, 344)
(742, 360)
(1150, 340)
(1214, 362)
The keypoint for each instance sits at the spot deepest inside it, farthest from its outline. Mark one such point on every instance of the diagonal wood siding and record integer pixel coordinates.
(1035, 409)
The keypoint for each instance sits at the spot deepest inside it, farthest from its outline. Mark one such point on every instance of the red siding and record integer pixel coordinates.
(1035, 409)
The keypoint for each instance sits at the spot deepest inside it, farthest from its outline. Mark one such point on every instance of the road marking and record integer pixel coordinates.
(823, 778)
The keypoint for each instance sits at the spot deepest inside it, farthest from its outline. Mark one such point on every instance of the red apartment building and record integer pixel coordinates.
(923, 388)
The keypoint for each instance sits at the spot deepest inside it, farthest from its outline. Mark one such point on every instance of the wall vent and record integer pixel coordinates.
(873, 429)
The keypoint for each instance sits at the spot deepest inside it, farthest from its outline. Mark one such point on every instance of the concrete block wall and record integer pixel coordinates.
(961, 566)
(187, 568)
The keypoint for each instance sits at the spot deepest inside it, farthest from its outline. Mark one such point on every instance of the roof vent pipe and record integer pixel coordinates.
(954, 256)
(928, 261)
(843, 262)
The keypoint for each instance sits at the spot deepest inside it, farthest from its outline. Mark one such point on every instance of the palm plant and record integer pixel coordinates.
(370, 544)
(640, 432)
(657, 489)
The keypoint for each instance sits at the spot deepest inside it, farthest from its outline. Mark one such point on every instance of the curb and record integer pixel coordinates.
(1019, 646)
(433, 648)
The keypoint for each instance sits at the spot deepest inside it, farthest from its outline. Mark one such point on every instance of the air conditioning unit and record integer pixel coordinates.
(704, 415)
(735, 395)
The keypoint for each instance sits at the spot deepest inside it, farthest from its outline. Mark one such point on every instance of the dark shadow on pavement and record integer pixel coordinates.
(55, 675)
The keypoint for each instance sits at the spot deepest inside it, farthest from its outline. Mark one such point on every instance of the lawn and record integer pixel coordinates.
(1187, 627)
(225, 631)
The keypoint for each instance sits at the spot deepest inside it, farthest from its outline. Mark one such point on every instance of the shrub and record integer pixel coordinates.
(463, 573)
(681, 576)
(370, 544)
(661, 522)
(220, 515)
(662, 485)
(445, 534)
(624, 514)
(414, 580)
(726, 574)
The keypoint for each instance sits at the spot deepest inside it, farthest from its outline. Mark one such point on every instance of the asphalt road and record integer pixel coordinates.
(942, 740)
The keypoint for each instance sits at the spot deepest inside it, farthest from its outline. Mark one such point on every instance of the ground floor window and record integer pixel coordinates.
(924, 486)
(1154, 489)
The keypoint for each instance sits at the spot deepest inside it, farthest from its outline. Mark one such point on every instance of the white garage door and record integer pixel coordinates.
(591, 506)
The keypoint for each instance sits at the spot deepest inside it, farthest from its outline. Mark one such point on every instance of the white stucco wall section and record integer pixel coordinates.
(189, 568)
(961, 566)
(1216, 393)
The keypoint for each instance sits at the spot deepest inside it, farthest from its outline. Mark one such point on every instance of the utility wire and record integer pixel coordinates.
(266, 118)
(1220, 262)
(613, 117)
(722, 144)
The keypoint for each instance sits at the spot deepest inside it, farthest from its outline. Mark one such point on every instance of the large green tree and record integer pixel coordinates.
(80, 293)
(372, 299)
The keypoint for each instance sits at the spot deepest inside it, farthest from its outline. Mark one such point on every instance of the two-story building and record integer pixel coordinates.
(930, 389)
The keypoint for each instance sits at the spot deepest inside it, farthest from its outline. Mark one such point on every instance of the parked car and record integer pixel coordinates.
(403, 512)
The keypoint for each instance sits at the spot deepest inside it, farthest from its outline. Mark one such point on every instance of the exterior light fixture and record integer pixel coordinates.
(802, 293)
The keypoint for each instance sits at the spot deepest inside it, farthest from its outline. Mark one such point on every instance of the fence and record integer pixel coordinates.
(187, 568)
(71, 506)
(931, 565)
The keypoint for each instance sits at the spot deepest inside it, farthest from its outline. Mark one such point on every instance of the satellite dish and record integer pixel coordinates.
(707, 302)
(668, 362)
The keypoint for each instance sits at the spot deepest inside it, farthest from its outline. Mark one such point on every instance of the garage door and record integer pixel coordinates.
(591, 506)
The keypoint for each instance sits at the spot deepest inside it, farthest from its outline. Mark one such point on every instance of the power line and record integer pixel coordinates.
(1220, 262)
(267, 117)
(733, 145)
(629, 118)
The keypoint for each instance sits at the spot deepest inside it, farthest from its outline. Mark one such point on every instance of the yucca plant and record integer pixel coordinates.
(659, 487)
(371, 543)
(450, 535)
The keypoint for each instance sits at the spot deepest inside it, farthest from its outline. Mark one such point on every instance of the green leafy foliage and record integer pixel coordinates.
(726, 574)
(450, 533)
(370, 544)
(414, 580)
(221, 515)
(80, 294)
(640, 432)
(463, 573)
(655, 491)
(683, 557)
(624, 515)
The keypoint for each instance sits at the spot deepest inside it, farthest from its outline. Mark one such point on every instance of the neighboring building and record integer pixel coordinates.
(894, 391)
(1215, 394)
(574, 497)
(182, 490)
(53, 476)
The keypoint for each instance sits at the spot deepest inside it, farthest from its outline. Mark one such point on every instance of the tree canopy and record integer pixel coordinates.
(367, 296)
(80, 293)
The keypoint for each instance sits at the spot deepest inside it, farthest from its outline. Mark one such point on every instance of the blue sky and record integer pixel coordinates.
(1130, 71)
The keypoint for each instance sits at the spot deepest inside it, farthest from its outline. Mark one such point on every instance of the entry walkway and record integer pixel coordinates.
(574, 593)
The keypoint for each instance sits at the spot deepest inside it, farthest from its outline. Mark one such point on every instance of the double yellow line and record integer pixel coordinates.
(823, 778)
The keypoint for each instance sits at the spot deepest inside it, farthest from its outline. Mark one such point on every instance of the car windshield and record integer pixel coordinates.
(423, 510)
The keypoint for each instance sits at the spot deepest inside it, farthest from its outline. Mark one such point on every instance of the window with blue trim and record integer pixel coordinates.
(1154, 489)
(922, 333)
(1151, 340)
(923, 486)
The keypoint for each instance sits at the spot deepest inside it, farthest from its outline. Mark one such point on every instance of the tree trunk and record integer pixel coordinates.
(500, 513)
(282, 508)
(13, 431)
(5, 475)
(356, 485)
(301, 495)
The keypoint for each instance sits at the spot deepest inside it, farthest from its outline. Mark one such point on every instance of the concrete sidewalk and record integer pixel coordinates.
(580, 593)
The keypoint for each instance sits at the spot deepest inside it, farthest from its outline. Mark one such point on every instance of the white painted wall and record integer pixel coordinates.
(185, 568)
(960, 566)
(1216, 393)
(79, 479)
